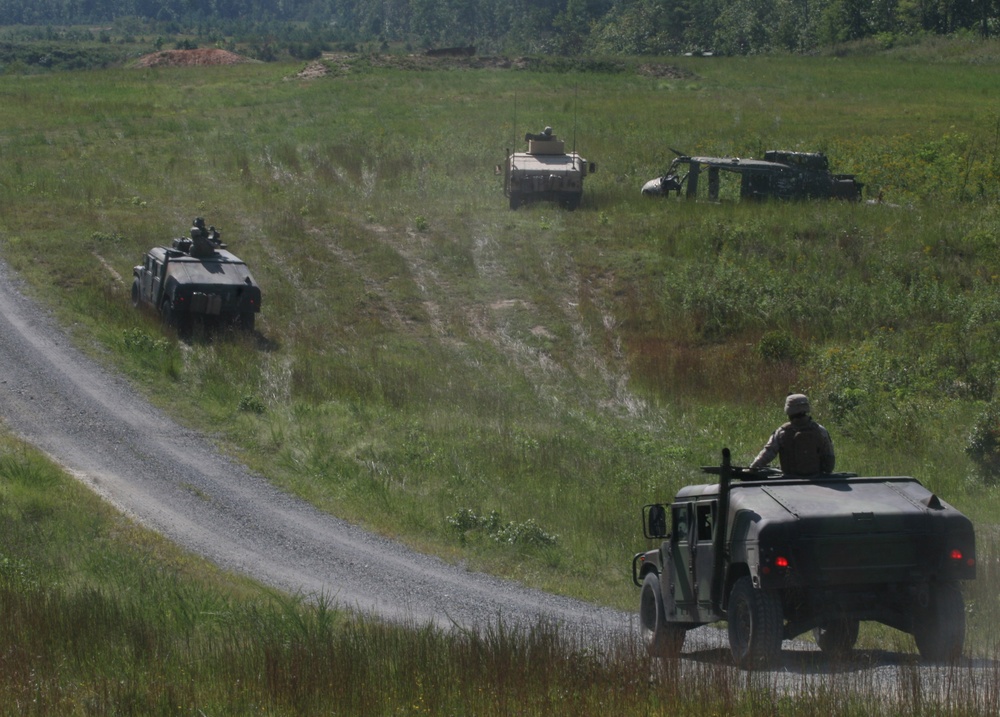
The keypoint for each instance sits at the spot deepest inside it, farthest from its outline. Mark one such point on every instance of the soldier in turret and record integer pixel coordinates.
(803, 447)
(198, 230)
(543, 136)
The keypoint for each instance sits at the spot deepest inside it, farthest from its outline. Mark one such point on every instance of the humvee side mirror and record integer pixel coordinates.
(593, 167)
(654, 521)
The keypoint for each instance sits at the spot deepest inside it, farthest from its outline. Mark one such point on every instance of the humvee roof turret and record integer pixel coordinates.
(777, 556)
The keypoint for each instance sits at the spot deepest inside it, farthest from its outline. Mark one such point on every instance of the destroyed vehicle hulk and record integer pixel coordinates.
(780, 175)
(197, 278)
(545, 172)
(777, 555)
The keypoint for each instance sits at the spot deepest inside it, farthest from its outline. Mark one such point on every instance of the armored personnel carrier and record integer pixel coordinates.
(545, 172)
(777, 556)
(197, 277)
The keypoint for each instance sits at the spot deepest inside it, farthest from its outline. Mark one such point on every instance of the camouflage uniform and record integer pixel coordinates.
(803, 446)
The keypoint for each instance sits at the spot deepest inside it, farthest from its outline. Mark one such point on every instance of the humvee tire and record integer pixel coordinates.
(837, 637)
(662, 638)
(939, 628)
(755, 625)
(167, 313)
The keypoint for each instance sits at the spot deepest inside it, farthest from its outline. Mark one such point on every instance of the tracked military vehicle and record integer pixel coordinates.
(545, 172)
(197, 277)
(777, 556)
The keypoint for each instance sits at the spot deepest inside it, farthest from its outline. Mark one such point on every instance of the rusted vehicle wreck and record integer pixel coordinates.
(780, 175)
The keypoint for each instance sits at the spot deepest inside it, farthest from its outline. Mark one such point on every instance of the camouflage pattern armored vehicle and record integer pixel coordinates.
(545, 172)
(197, 278)
(780, 175)
(777, 556)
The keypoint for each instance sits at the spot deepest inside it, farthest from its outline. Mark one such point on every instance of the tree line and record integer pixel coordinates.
(568, 27)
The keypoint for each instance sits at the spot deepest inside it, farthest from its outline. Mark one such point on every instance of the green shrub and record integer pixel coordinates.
(984, 443)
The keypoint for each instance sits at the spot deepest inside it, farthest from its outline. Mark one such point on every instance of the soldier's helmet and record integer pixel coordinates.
(796, 403)
(547, 131)
(199, 222)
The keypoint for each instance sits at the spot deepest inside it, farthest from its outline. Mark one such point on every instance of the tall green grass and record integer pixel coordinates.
(102, 617)
(426, 355)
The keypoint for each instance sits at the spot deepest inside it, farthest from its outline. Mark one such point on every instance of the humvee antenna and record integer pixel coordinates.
(576, 91)
(513, 139)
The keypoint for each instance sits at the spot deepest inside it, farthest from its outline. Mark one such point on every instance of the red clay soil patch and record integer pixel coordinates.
(191, 58)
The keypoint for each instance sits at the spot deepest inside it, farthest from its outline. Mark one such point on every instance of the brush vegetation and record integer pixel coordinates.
(509, 388)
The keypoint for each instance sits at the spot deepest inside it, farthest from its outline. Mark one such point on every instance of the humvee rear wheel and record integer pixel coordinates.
(939, 628)
(167, 312)
(515, 200)
(135, 293)
(837, 637)
(755, 625)
(662, 638)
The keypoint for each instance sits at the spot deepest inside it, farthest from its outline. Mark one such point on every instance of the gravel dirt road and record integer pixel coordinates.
(174, 481)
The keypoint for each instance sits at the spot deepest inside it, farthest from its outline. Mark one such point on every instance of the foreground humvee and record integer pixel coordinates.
(196, 278)
(780, 175)
(545, 172)
(777, 556)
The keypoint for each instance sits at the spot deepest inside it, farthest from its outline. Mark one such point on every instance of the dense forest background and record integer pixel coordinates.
(568, 27)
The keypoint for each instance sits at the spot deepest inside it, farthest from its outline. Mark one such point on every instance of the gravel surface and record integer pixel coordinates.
(176, 482)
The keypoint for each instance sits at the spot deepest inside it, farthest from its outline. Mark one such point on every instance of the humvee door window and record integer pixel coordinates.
(706, 520)
(681, 523)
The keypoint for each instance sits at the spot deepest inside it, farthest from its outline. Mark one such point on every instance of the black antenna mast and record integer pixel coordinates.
(576, 91)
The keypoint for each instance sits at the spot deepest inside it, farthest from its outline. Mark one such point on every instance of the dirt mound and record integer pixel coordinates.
(189, 58)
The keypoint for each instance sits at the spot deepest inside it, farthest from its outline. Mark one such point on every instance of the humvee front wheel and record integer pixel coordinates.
(837, 637)
(571, 201)
(515, 200)
(135, 293)
(939, 628)
(755, 625)
(662, 638)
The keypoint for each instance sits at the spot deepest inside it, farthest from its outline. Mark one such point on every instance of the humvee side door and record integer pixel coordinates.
(680, 570)
(692, 561)
(151, 279)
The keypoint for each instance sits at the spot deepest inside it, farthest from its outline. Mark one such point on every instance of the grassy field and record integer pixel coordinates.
(508, 388)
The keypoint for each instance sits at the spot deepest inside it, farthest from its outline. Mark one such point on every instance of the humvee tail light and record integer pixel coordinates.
(957, 555)
(781, 562)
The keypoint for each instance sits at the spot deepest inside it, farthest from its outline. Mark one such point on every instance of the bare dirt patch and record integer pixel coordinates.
(191, 58)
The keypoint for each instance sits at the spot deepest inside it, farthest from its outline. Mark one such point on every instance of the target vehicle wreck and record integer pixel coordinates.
(780, 175)
(777, 556)
(546, 172)
(197, 277)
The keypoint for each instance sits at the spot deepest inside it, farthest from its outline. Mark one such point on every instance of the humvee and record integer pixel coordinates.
(545, 172)
(777, 556)
(196, 277)
(780, 175)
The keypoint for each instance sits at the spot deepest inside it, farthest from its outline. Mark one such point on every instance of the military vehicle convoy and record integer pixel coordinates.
(777, 556)
(197, 277)
(780, 175)
(545, 172)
